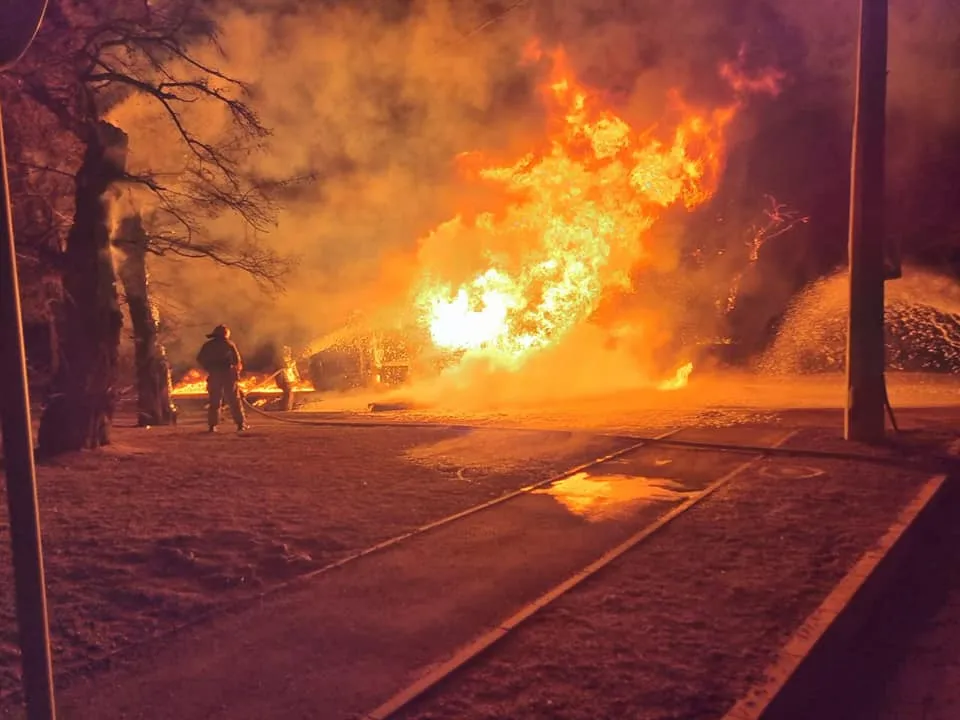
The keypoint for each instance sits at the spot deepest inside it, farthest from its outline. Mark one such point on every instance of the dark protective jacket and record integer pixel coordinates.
(219, 355)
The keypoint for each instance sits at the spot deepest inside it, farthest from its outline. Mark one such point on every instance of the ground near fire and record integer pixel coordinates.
(180, 525)
(463, 248)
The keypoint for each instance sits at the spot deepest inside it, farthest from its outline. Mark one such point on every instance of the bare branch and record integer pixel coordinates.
(497, 18)
(41, 168)
(99, 53)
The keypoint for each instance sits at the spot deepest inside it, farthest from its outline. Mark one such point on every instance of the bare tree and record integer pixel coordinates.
(90, 56)
(154, 388)
(42, 189)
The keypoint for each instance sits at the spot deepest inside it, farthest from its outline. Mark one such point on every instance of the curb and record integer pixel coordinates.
(954, 448)
(791, 681)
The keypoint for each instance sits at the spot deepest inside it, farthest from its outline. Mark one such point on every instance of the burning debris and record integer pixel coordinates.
(679, 380)
(347, 362)
(194, 384)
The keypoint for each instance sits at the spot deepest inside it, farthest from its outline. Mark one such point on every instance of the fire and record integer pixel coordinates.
(574, 223)
(679, 380)
(194, 383)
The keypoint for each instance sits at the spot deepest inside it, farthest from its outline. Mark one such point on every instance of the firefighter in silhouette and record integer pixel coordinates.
(221, 360)
(287, 377)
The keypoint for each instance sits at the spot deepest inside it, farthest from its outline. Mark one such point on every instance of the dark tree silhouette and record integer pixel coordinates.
(154, 400)
(41, 184)
(89, 57)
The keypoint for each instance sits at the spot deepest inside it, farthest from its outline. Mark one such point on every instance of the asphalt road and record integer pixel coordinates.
(353, 637)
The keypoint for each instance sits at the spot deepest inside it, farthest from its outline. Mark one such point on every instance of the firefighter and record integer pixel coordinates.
(221, 360)
(287, 376)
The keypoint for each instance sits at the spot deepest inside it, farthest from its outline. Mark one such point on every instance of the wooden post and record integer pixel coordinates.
(29, 586)
(866, 361)
(19, 23)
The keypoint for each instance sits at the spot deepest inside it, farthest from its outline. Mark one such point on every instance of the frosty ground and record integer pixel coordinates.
(168, 524)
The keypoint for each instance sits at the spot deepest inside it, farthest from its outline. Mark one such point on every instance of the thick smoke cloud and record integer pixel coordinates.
(376, 109)
(377, 101)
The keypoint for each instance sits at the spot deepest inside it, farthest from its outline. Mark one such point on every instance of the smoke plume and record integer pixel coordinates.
(377, 100)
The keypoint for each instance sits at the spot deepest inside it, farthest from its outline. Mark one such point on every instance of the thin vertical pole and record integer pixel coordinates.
(31, 598)
(866, 361)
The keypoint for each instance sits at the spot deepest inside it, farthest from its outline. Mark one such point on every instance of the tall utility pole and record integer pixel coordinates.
(866, 360)
(19, 22)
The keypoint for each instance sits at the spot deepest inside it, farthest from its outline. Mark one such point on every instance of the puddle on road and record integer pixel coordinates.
(601, 497)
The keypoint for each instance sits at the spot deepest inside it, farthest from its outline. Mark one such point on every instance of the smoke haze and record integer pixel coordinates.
(377, 100)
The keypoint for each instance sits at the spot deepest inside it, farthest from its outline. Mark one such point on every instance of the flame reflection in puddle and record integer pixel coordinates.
(605, 496)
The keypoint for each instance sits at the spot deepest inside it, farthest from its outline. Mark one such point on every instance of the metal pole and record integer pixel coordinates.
(21, 478)
(866, 361)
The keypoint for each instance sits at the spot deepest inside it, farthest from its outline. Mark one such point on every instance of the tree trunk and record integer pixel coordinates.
(80, 406)
(54, 343)
(154, 385)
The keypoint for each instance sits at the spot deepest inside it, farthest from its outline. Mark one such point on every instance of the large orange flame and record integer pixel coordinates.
(574, 222)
